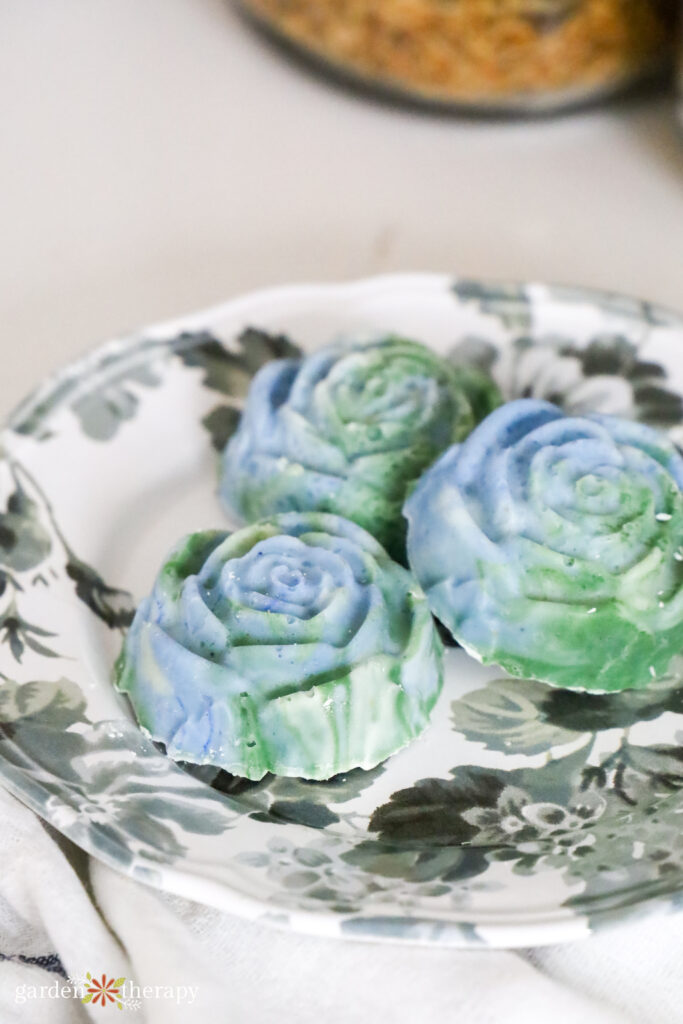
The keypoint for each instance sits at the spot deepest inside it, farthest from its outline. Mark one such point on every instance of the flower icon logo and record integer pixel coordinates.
(103, 991)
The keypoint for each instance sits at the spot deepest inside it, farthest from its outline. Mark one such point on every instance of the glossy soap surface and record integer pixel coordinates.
(553, 546)
(347, 430)
(293, 646)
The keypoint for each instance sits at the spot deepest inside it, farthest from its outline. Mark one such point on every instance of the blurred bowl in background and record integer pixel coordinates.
(486, 56)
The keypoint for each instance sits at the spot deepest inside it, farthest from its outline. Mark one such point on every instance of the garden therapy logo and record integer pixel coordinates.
(104, 991)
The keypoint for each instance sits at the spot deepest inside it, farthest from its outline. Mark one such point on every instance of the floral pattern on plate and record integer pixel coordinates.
(523, 815)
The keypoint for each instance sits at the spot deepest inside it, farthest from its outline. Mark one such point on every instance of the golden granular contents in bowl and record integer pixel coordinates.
(481, 50)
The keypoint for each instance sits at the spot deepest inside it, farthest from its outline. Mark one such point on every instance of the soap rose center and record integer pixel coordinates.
(299, 582)
(296, 583)
(385, 394)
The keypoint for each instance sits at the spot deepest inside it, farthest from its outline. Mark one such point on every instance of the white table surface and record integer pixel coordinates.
(156, 156)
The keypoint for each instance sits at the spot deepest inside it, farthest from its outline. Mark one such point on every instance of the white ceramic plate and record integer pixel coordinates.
(542, 815)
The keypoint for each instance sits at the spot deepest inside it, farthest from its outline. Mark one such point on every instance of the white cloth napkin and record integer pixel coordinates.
(63, 914)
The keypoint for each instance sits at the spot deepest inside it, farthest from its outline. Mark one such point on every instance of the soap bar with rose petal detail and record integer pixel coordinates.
(294, 646)
(552, 545)
(347, 430)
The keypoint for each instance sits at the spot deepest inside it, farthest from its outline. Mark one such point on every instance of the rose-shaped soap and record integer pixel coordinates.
(553, 545)
(347, 430)
(294, 646)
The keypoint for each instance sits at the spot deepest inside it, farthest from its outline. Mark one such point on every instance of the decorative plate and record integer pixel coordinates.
(523, 815)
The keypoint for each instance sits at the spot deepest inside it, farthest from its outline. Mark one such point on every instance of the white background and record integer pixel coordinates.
(157, 156)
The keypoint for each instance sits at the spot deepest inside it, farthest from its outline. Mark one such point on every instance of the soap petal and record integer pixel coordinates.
(294, 646)
(348, 430)
(552, 545)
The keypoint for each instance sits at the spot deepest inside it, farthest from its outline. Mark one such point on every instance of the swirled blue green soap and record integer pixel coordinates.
(347, 430)
(294, 646)
(552, 545)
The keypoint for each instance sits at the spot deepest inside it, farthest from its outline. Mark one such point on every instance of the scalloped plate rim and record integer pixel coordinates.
(540, 928)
